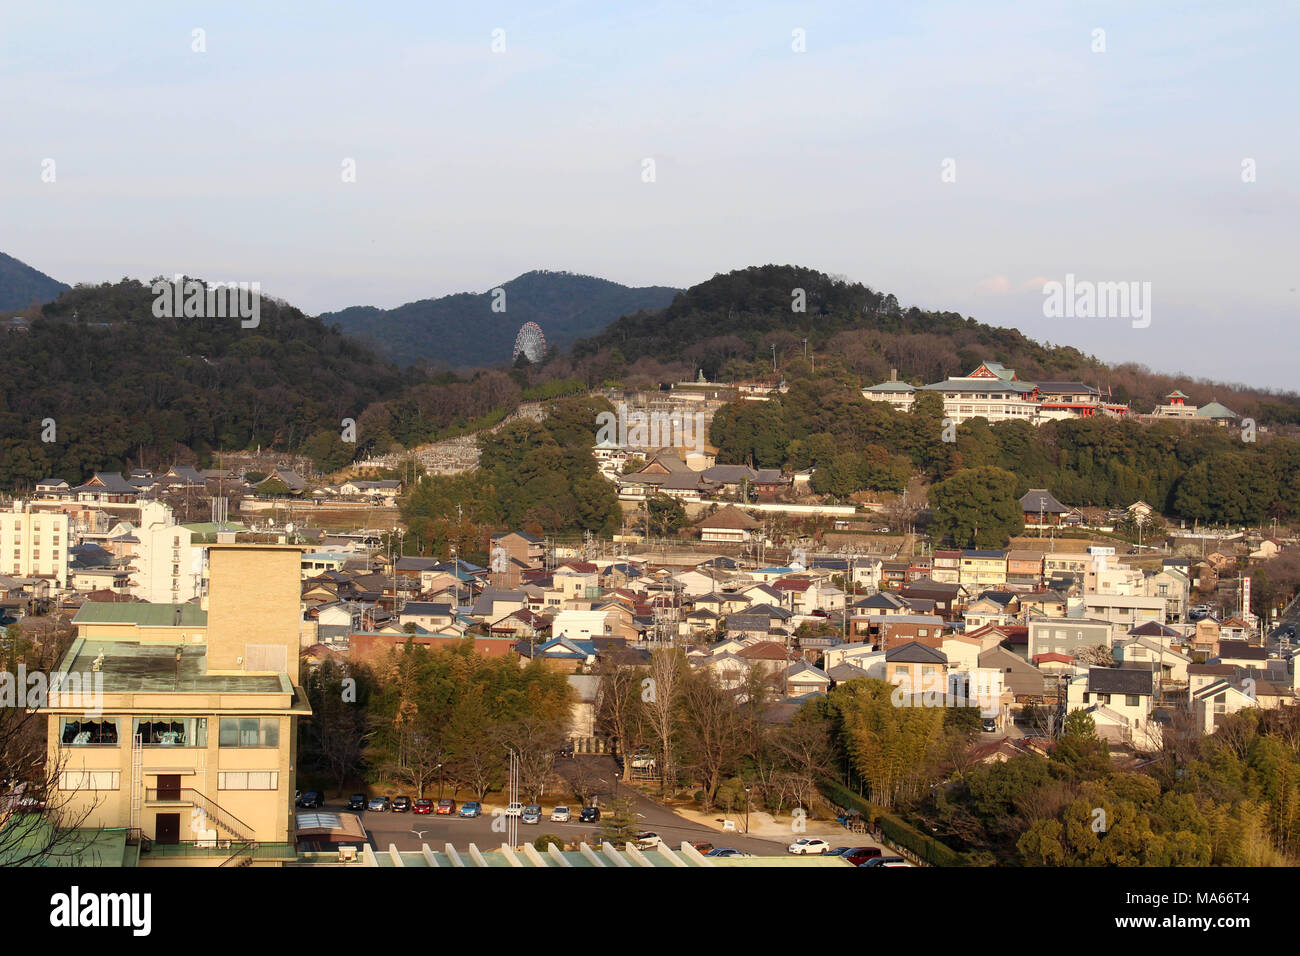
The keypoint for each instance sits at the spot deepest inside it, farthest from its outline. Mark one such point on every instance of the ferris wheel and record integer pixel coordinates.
(530, 342)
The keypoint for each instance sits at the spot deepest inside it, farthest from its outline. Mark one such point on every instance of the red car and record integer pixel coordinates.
(861, 854)
(446, 806)
(423, 806)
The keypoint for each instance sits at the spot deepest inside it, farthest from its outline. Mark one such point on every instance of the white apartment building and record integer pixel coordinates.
(167, 565)
(34, 544)
(1123, 612)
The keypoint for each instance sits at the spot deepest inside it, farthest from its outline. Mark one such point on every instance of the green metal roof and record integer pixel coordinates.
(1215, 410)
(142, 614)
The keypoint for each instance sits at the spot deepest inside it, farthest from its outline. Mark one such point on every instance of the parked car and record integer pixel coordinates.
(446, 806)
(861, 854)
(727, 851)
(471, 808)
(379, 804)
(648, 840)
(808, 845)
(422, 806)
(643, 760)
(838, 851)
(887, 861)
(401, 804)
(514, 809)
(357, 801)
(702, 846)
(311, 800)
(589, 815)
(989, 725)
(565, 751)
(531, 814)
(560, 815)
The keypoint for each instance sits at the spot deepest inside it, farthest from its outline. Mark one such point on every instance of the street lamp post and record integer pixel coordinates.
(747, 811)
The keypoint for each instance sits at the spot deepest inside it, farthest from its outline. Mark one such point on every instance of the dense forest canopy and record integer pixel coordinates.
(123, 386)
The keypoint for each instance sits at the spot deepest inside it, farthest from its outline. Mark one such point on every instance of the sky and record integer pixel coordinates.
(957, 155)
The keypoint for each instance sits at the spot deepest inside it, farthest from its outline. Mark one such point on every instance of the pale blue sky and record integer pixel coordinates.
(474, 166)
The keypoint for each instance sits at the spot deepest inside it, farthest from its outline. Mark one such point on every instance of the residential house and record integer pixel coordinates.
(1066, 635)
(1019, 676)
(917, 667)
(982, 568)
(945, 567)
(1041, 509)
(1169, 666)
(1123, 611)
(1025, 568)
(1126, 692)
(991, 607)
(727, 525)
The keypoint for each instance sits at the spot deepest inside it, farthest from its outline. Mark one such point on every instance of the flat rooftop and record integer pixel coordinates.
(131, 667)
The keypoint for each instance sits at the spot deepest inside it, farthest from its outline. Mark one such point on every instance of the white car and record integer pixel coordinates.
(808, 845)
(515, 810)
(560, 815)
(648, 840)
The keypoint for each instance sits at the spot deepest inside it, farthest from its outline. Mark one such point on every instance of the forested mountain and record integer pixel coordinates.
(728, 326)
(463, 331)
(21, 285)
(124, 389)
(123, 386)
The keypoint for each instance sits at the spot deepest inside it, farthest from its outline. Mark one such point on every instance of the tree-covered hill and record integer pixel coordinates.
(728, 325)
(21, 285)
(463, 331)
(123, 386)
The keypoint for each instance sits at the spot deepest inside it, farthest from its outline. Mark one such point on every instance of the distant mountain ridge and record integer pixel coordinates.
(21, 285)
(463, 331)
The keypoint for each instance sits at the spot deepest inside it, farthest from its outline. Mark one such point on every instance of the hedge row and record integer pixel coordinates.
(894, 828)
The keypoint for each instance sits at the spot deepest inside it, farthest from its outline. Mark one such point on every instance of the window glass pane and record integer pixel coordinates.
(229, 733)
(84, 732)
(248, 731)
(270, 732)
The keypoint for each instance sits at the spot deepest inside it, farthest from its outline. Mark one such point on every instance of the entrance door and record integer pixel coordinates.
(169, 786)
(167, 828)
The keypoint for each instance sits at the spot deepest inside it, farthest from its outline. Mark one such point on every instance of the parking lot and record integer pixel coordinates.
(407, 831)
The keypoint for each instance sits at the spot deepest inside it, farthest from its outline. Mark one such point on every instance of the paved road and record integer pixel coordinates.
(408, 830)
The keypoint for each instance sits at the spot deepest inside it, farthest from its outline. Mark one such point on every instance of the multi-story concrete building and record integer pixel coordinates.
(983, 569)
(990, 392)
(34, 544)
(898, 394)
(191, 743)
(167, 564)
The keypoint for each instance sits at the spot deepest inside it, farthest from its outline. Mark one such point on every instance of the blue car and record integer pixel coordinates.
(532, 814)
(471, 808)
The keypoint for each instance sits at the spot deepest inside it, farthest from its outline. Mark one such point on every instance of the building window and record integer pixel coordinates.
(89, 733)
(250, 732)
(248, 780)
(1103, 698)
(1131, 700)
(172, 731)
(90, 780)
